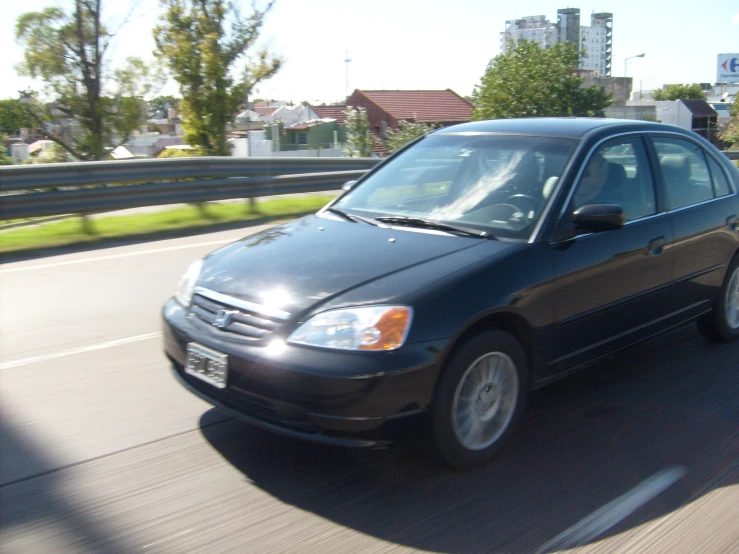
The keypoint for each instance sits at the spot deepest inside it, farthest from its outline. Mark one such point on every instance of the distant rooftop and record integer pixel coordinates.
(700, 107)
(424, 106)
(334, 111)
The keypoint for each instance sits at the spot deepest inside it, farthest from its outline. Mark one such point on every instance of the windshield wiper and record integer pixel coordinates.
(435, 225)
(351, 217)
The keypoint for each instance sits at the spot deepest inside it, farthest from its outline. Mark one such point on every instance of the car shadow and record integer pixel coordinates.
(35, 498)
(586, 440)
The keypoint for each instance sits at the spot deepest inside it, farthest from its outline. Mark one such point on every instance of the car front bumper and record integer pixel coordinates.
(330, 396)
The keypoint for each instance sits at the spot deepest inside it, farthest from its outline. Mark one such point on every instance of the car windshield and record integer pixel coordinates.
(495, 184)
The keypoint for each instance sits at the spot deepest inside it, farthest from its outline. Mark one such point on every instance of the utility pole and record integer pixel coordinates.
(248, 121)
(251, 201)
(625, 77)
(347, 61)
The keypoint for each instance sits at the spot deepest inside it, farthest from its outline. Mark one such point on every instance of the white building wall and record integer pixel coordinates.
(593, 49)
(325, 153)
(537, 28)
(239, 147)
(261, 148)
(19, 152)
(675, 113)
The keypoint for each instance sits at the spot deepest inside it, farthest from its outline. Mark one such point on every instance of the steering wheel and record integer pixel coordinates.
(515, 217)
(528, 202)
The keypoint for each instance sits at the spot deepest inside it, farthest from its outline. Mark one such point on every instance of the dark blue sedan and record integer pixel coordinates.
(480, 262)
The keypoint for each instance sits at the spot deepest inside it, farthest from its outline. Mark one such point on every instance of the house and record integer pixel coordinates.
(289, 115)
(121, 153)
(39, 147)
(149, 145)
(331, 111)
(385, 108)
(318, 134)
(704, 119)
(694, 115)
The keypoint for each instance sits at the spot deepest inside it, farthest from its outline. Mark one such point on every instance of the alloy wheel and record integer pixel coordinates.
(485, 400)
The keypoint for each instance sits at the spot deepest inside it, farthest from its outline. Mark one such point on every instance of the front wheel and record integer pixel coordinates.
(480, 399)
(722, 323)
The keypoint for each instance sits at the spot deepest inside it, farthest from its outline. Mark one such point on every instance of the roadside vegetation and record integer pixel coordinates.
(182, 220)
(731, 133)
(530, 81)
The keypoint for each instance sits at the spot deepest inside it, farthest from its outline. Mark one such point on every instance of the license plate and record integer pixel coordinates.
(207, 364)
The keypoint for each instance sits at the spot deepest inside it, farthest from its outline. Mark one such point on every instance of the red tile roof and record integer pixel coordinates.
(335, 111)
(430, 106)
(264, 110)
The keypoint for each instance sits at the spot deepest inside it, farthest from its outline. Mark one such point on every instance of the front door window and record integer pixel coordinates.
(618, 173)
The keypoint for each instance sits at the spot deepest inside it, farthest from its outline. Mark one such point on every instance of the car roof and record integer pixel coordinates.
(567, 127)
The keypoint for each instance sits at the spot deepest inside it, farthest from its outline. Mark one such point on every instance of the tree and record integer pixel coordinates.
(180, 153)
(68, 51)
(201, 41)
(406, 132)
(360, 141)
(4, 158)
(680, 92)
(529, 81)
(731, 133)
(159, 106)
(13, 116)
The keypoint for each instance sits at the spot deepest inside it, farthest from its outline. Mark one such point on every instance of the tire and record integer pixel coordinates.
(722, 323)
(480, 399)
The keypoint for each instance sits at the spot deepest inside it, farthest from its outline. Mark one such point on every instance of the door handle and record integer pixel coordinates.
(657, 245)
(733, 222)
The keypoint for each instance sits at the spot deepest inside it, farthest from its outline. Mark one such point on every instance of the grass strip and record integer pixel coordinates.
(190, 218)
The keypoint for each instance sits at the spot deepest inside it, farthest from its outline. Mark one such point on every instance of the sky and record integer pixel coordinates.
(420, 45)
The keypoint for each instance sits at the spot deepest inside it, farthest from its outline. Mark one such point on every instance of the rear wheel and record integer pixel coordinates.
(722, 323)
(480, 399)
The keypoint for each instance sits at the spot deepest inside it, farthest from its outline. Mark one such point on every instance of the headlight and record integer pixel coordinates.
(187, 283)
(369, 328)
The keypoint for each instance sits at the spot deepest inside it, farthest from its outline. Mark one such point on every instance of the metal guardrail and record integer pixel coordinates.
(89, 187)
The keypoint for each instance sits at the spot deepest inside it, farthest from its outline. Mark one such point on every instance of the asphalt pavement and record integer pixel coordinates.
(102, 451)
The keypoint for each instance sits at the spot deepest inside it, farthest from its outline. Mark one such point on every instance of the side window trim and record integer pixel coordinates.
(659, 182)
(649, 167)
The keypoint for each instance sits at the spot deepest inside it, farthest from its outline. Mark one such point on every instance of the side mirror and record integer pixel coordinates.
(349, 185)
(597, 218)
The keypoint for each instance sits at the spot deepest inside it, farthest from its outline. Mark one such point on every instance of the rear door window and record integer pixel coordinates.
(718, 177)
(684, 172)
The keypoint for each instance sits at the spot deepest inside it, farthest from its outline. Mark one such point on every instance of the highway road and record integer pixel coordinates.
(102, 451)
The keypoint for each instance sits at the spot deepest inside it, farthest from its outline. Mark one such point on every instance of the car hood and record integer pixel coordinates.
(297, 265)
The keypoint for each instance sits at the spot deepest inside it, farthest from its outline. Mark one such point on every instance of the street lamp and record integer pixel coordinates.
(626, 62)
(625, 71)
(631, 58)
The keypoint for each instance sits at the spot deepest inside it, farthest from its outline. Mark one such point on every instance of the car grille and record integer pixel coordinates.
(245, 319)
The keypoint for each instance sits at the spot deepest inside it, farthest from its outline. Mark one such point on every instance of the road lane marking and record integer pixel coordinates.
(615, 511)
(125, 255)
(81, 350)
(199, 429)
(170, 537)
